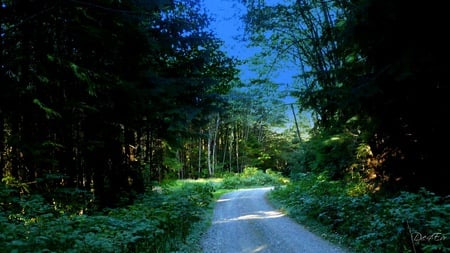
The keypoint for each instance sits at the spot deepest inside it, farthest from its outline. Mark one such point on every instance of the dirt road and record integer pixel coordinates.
(244, 222)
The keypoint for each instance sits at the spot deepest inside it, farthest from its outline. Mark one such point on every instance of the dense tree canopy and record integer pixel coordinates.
(108, 96)
(408, 64)
(101, 101)
(373, 73)
(92, 90)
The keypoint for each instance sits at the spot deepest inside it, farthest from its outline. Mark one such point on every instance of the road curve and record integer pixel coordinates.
(244, 222)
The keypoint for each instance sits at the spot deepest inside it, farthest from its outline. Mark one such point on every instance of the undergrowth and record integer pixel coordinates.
(405, 222)
(252, 177)
(159, 221)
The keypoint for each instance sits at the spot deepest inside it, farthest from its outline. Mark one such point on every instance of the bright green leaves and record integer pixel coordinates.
(85, 76)
(49, 112)
(157, 222)
(399, 220)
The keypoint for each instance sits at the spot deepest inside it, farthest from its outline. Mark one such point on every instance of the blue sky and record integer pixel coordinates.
(229, 28)
(227, 25)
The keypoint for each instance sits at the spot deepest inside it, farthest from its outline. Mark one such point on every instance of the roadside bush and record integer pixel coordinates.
(252, 177)
(407, 222)
(156, 222)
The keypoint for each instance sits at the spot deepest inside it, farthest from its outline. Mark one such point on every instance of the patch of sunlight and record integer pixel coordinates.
(261, 215)
(202, 180)
(261, 188)
(255, 216)
(259, 249)
(333, 139)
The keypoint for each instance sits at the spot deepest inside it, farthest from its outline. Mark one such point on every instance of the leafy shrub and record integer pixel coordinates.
(252, 177)
(156, 222)
(331, 152)
(407, 222)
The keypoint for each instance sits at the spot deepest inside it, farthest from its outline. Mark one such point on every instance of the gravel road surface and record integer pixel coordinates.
(244, 222)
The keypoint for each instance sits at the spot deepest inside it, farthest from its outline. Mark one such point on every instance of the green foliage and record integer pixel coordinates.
(332, 153)
(400, 223)
(159, 221)
(364, 68)
(252, 177)
(13, 184)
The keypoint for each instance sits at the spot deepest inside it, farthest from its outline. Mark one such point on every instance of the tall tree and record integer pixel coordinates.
(367, 69)
(95, 91)
(302, 33)
(406, 64)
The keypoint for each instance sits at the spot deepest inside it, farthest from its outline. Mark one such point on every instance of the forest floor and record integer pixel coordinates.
(245, 222)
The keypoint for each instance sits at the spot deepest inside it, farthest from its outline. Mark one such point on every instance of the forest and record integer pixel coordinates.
(107, 105)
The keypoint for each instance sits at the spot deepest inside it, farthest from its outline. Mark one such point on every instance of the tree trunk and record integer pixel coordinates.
(2, 143)
(236, 144)
(225, 147)
(210, 171)
(214, 148)
(296, 124)
(199, 157)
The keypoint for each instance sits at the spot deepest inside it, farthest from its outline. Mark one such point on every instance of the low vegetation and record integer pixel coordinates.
(252, 177)
(366, 222)
(170, 217)
(160, 220)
